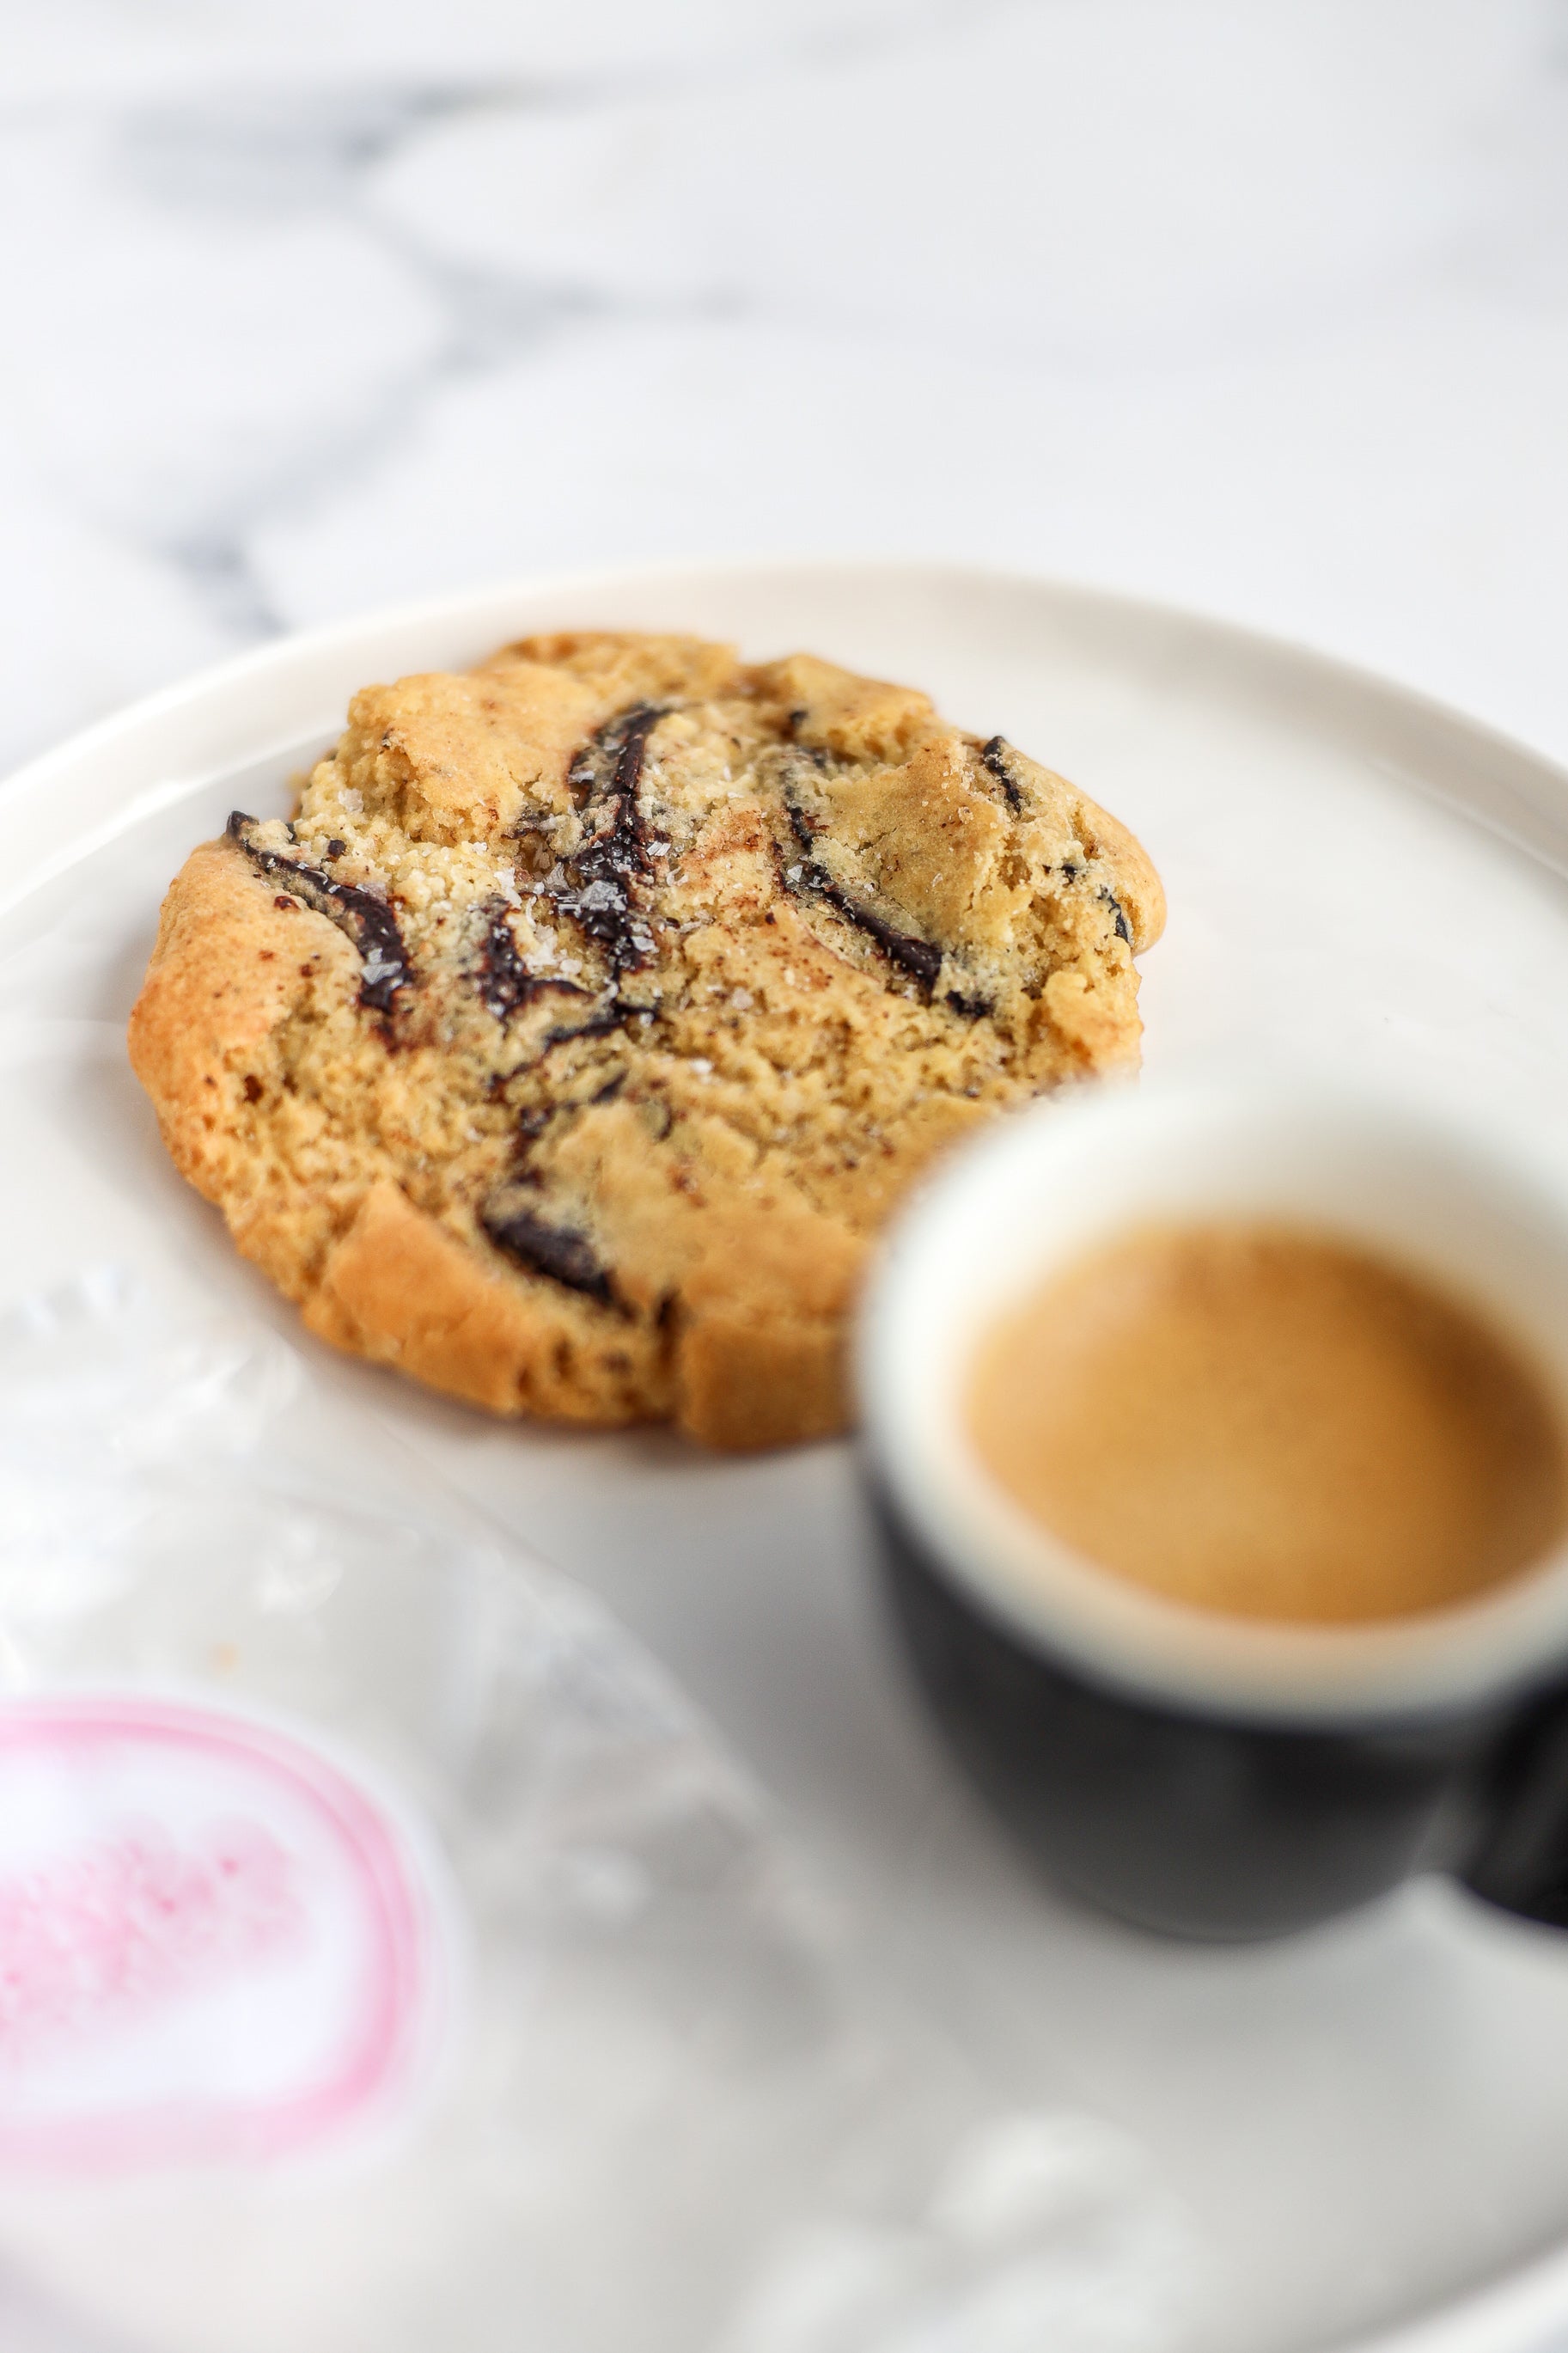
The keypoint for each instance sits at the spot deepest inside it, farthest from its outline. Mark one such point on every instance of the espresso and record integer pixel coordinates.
(1271, 1424)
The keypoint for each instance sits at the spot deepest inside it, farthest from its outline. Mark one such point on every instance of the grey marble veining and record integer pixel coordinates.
(1260, 304)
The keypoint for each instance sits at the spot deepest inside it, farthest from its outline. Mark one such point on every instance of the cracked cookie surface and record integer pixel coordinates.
(570, 1047)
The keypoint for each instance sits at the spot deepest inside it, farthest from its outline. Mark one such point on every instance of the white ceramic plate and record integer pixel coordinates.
(1369, 2126)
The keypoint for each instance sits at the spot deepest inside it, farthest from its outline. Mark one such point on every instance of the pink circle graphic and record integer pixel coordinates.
(214, 1943)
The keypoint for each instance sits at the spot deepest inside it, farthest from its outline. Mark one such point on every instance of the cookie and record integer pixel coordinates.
(571, 1045)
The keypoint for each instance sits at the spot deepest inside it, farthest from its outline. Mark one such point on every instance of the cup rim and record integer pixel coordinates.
(1076, 1615)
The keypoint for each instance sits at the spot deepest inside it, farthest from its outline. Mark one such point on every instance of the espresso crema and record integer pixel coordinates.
(1273, 1423)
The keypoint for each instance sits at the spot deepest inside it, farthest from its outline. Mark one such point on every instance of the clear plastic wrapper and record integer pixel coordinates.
(390, 1959)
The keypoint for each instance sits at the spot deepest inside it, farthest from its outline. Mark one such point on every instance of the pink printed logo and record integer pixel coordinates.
(90, 1941)
(213, 1943)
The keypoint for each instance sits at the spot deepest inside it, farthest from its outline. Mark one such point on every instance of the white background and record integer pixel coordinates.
(1258, 304)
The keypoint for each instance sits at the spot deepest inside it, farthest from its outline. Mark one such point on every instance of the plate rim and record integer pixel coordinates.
(1375, 688)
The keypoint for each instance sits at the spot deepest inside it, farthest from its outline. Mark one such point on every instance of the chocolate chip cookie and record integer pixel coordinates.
(570, 1047)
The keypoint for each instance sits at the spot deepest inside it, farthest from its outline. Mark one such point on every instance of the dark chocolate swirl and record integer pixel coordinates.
(600, 893)
(365, 920)
(559, 1251)
(913, 955)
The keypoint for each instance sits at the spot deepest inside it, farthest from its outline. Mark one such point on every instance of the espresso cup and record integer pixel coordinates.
(1192, 1772)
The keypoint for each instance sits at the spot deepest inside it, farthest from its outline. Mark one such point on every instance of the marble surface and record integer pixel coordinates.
(1261, 305)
